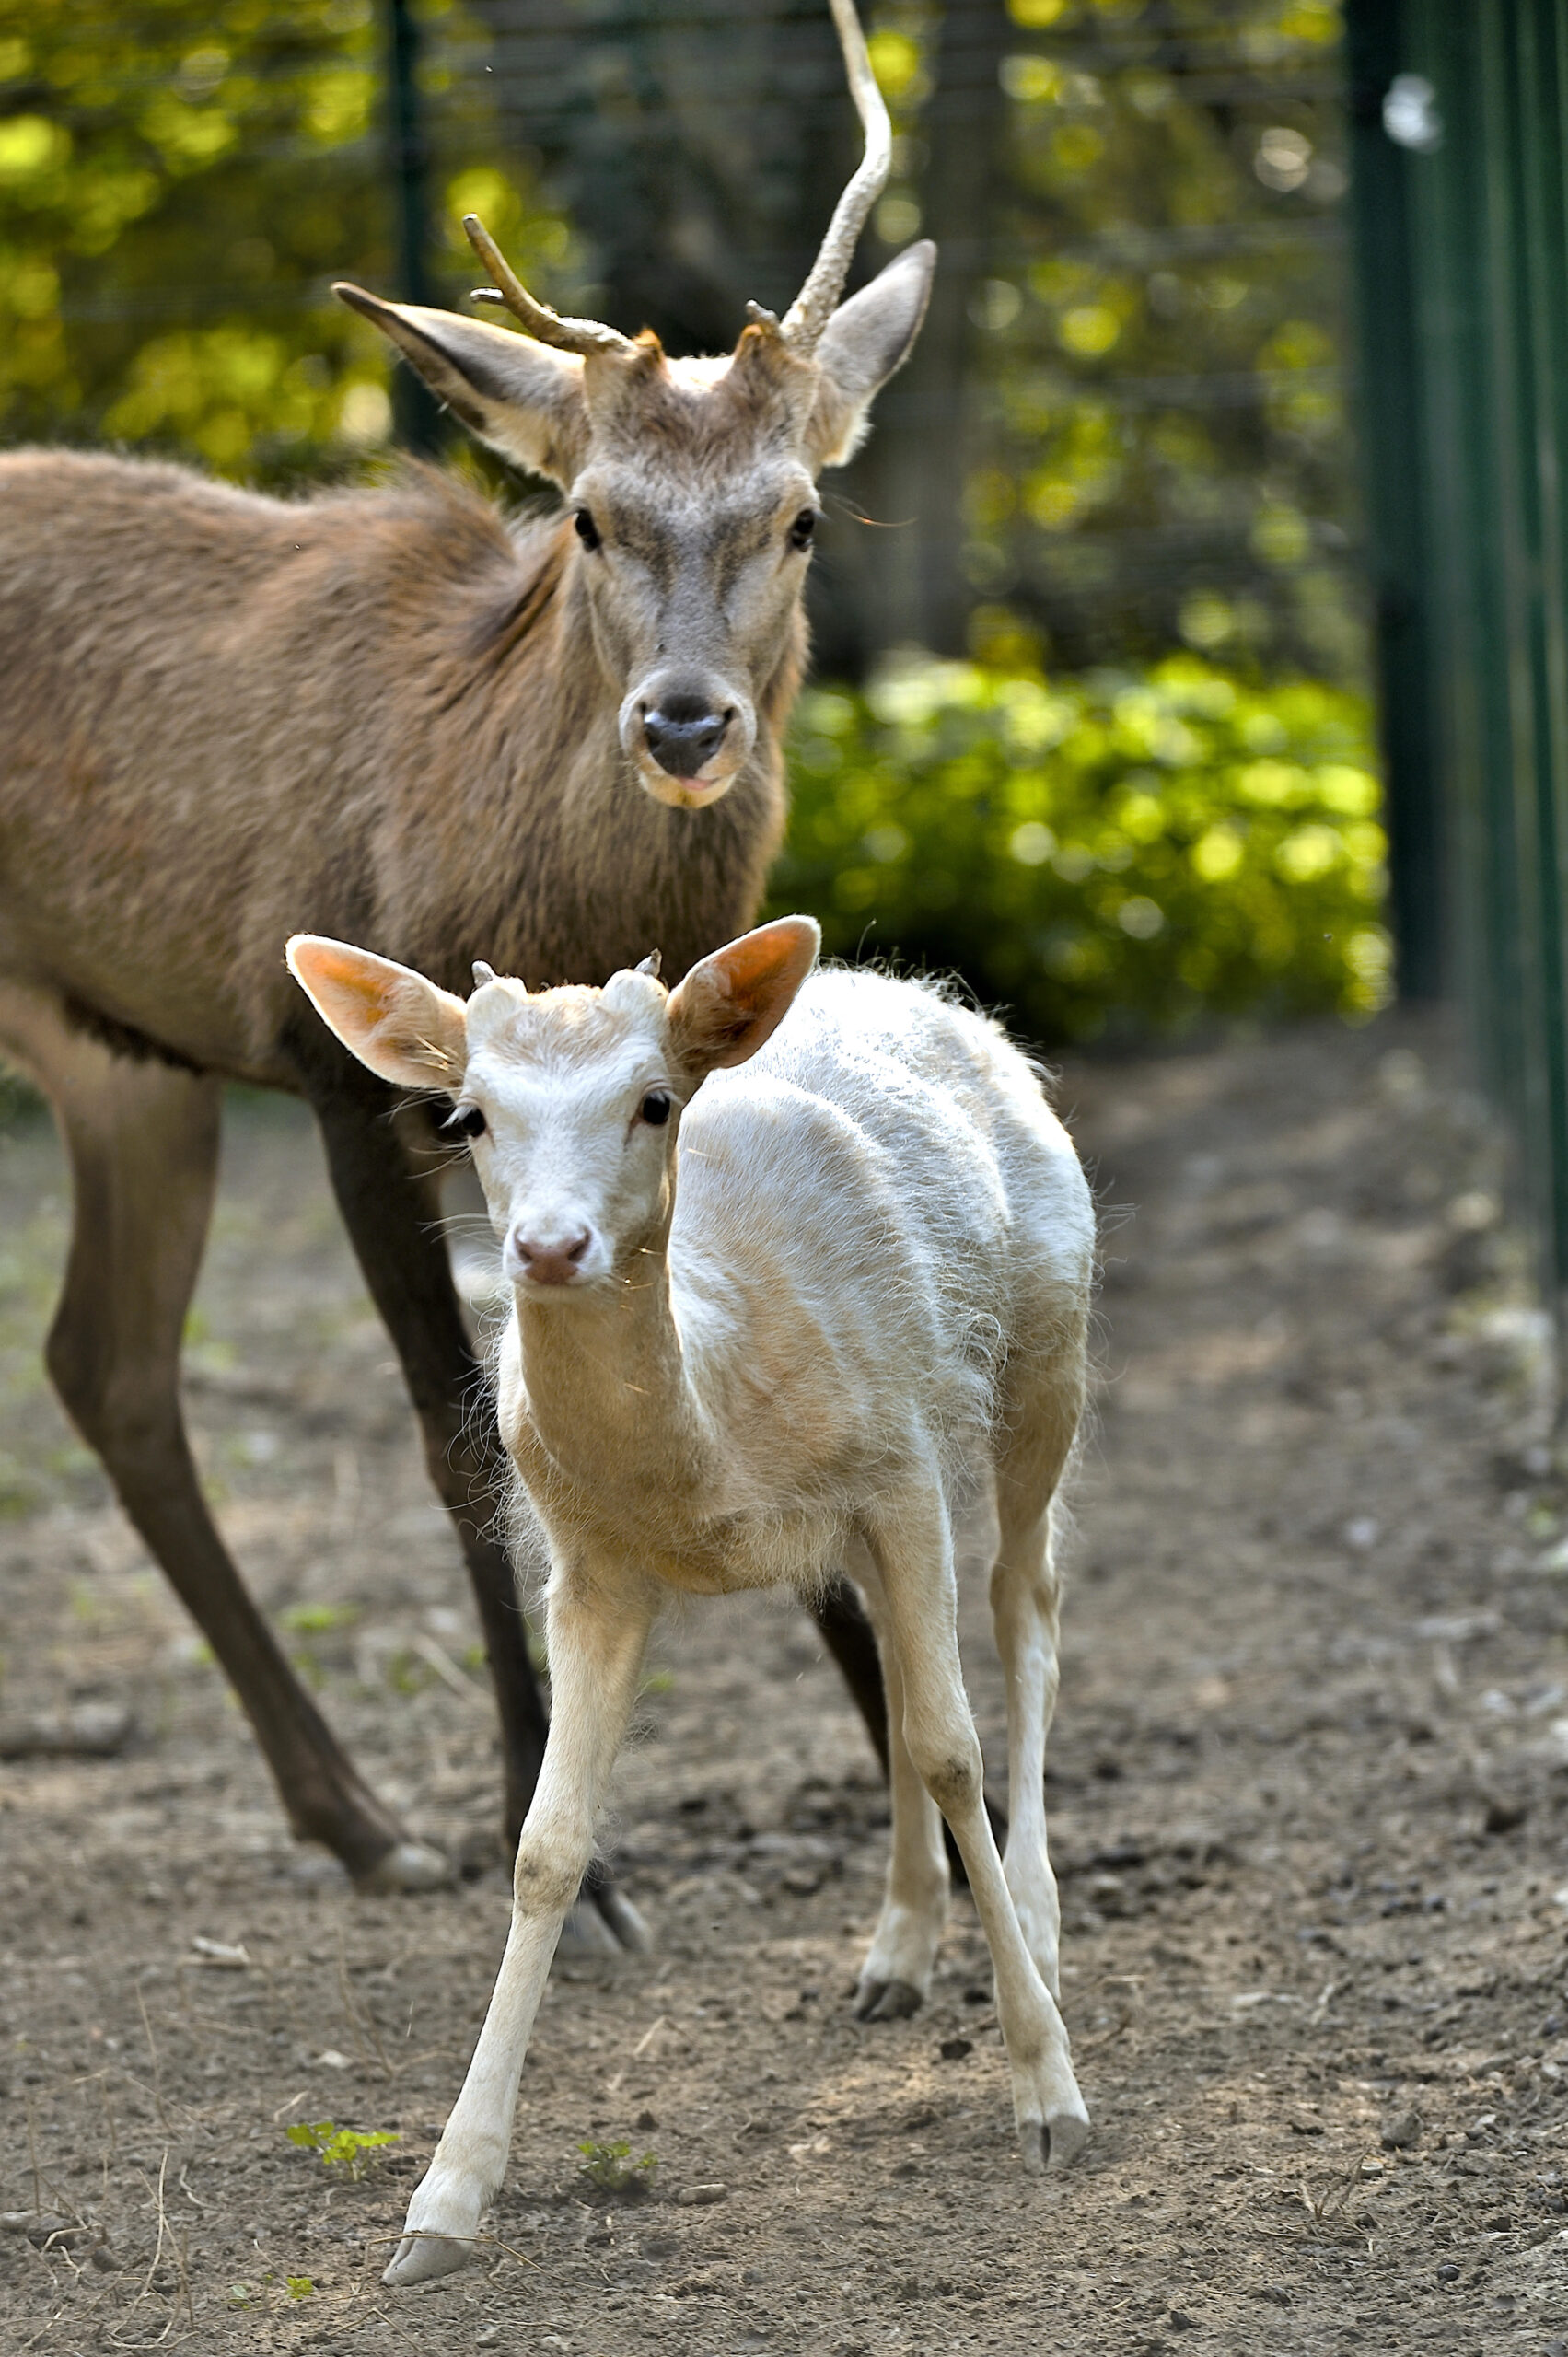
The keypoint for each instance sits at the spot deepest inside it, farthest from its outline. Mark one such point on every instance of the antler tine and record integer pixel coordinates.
(813, 307)
(583, 336)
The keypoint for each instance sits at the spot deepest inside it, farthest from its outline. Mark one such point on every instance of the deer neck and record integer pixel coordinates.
(583, 871)
(613, 1396)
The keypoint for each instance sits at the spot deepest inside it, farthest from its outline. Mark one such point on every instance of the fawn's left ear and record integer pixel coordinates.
(391, 1018)
(732, 1002)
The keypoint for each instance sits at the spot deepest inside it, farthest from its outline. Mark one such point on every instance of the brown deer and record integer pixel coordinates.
(394, 716)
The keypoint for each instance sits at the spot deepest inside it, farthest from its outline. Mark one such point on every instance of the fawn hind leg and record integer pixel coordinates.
(1025, 1604)
(911, 1540)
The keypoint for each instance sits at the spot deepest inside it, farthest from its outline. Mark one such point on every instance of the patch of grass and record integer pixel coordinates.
(318, 1620)
(610, 2168)
(408, 1673)
(352, 2150)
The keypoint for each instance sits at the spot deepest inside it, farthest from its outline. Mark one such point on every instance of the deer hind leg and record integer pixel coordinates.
(385, 1170)
(913, 1543)
(895, 1979)
(1025, 1606)
(141, 1140)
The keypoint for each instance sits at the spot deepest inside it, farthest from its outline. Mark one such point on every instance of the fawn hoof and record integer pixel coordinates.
(585, 1933)
(887, 2001)
(420, 2258)
(623, 1921)
(1052, 2144)
(408, 1865)
(443, 2219)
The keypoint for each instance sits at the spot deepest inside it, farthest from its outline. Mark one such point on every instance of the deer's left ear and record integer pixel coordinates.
(866, 339)
(732, 1002)
(399, 1024)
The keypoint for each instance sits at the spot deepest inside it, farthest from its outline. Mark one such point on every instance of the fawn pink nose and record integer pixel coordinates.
(549, 1263)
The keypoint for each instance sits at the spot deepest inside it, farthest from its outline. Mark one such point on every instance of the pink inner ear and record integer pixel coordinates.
(760, 959)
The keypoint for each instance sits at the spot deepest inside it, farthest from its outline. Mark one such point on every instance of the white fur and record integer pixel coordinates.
(844, 1274)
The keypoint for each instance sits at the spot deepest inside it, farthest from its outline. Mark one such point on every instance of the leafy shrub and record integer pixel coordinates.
(1113, 851)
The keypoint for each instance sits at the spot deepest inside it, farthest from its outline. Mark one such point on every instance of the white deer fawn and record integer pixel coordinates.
(395, 715)
(779, 1285)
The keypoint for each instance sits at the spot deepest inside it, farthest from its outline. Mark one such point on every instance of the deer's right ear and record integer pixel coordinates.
(523, 398)
(391, 1018)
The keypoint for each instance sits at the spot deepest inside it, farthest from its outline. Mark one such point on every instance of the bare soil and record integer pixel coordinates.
(1309, 1787)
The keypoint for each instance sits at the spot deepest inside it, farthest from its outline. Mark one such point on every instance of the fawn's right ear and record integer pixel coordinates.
(523, 398)
(729, 1004)
(391, 1018)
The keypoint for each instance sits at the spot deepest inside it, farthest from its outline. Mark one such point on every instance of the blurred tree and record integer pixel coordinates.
(179, 184)
(1122, 427)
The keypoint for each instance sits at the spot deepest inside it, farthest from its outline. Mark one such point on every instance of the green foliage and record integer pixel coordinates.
(610, 2168)
(1136, 849)
(180, 184)
(352, 2150)
(299, 2287)
(1157, 443)
(18, 1100)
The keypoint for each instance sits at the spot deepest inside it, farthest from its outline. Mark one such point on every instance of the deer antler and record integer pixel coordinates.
(583, 336)
(807, 316)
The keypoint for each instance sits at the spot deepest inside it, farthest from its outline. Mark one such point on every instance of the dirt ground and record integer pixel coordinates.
(1309, 1787)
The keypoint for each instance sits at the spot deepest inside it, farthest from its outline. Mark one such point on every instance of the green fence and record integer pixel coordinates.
(1460, 148)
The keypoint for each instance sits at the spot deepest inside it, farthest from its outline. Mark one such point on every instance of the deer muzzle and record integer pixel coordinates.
(688, 736)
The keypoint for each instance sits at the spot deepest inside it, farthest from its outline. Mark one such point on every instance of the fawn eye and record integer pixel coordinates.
(465, 1122)
(587, 529)
(800, 532)
(654, 1108)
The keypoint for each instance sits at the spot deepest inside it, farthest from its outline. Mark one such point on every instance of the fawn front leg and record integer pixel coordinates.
(597, 1635)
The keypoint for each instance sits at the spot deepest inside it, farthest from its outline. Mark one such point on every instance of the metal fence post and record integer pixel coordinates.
(417, 419)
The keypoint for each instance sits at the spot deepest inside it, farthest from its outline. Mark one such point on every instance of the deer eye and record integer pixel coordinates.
(588, 531)
(465, 1122)
(800, 532)
(654, 1108)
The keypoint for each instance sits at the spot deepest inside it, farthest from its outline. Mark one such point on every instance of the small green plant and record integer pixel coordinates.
(352, 2150)
(611, 2168)
(299, 2287)
(318, 1620)
(239, 2295)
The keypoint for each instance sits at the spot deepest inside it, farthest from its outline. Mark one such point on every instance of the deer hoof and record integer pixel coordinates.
(409, 1865)
(620, 1918)
(887, 2001)
(1052, 2144)
(586, 1933)
(419, 2258)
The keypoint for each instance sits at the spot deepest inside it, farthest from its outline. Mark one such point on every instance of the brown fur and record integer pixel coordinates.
(376, 714)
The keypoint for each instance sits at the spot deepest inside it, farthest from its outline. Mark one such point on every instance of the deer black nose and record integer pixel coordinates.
(683, 732)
